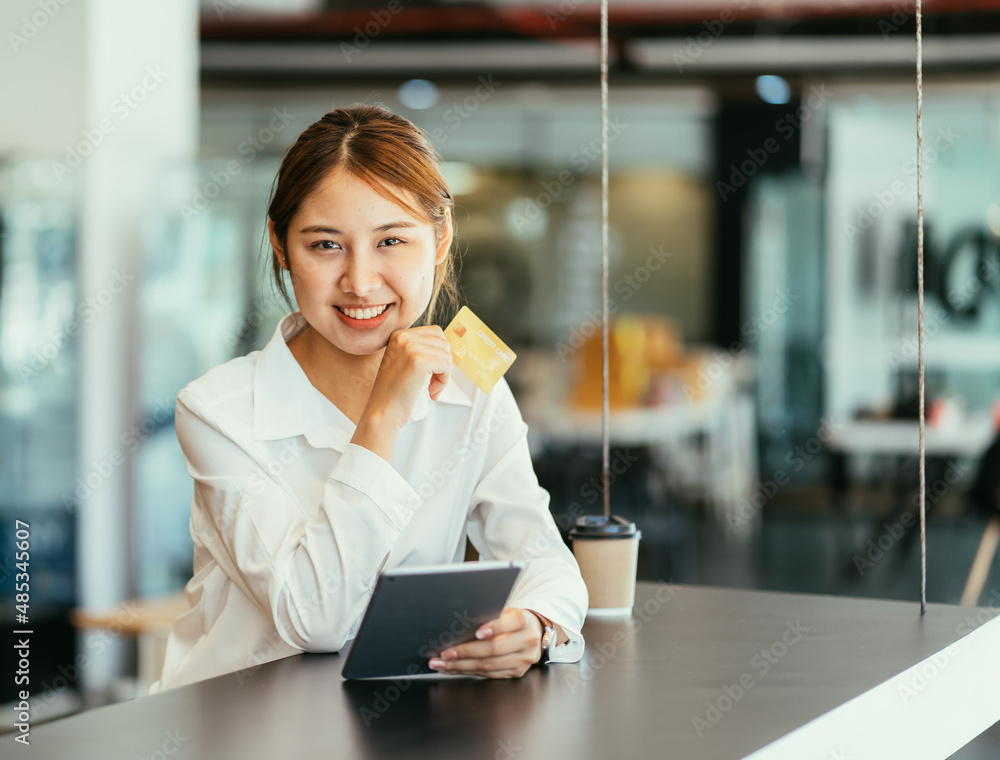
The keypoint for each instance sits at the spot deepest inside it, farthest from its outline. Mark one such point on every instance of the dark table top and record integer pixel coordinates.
(695, 673)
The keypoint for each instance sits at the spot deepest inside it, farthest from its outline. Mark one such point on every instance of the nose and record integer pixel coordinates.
(361, 275)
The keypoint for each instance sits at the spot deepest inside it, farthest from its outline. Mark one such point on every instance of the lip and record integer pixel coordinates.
(363, 324)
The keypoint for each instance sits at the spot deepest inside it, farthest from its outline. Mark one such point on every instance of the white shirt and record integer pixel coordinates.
(292, 523)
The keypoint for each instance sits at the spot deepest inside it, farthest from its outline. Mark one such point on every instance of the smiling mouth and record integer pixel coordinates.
(367, 313)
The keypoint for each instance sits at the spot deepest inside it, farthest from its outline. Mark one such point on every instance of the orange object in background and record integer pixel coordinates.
(639, 346)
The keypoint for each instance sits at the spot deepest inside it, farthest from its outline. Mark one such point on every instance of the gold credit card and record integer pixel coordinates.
(477, 351)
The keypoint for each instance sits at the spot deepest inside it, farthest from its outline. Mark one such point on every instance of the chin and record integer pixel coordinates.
(358, 347)
(355, 352)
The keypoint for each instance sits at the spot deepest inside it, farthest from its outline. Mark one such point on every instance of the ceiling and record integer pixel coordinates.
(672, 39)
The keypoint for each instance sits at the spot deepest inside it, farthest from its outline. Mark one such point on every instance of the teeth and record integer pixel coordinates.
(363, 313)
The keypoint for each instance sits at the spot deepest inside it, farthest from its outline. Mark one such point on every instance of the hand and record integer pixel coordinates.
(506, 647)
(416, 360)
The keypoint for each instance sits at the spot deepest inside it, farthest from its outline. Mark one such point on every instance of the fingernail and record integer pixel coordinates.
(437, 664)
(450, 654)
(484, 633)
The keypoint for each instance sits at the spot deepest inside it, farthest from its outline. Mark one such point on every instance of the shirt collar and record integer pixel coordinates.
(287, 404)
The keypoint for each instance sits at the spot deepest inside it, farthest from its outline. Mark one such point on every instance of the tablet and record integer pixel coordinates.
(417, 612)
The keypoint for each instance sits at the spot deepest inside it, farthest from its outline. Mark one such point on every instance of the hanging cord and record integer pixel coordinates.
(606, 447)
(920, 304)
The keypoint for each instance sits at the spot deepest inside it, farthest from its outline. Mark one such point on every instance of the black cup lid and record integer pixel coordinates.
(599, 526)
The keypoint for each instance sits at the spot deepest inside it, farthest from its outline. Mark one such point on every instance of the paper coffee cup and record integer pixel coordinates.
(607, 550)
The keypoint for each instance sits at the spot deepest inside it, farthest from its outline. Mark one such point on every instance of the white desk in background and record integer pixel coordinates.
(706, 447)
(966, 439)
(969, 437)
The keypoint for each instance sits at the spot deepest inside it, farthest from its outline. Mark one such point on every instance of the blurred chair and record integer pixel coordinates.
(985, 496)
(148, 620)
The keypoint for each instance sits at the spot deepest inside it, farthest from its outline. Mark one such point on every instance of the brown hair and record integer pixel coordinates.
(381, 148)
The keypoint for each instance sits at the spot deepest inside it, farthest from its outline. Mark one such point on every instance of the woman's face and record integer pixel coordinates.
(352, 250)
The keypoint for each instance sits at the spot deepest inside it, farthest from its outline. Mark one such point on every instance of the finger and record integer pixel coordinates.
(494, 674)
(505, 673)
(493, 647)
(439, 380)
(425, 335)
(430, 348)
(511, 619)
(434, 356)
(486, 665)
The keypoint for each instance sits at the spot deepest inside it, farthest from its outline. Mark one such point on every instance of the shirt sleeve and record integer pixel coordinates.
(312, 576)
(510, 520)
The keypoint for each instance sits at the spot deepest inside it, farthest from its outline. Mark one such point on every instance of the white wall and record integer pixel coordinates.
(871, 193)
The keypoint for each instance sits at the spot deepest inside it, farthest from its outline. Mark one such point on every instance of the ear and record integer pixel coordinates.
(445, 245)
(276, 244)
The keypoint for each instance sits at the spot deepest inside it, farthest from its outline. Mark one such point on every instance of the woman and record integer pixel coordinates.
(348, 444)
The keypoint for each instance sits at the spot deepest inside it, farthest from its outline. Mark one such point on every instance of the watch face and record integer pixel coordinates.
(548, 639)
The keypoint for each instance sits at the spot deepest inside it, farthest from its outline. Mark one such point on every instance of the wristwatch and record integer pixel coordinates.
(548, 641)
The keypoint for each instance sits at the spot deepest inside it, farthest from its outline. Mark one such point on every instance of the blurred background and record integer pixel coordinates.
(763, 276)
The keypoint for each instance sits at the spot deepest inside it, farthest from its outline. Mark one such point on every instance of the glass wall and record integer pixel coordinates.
(40, 318)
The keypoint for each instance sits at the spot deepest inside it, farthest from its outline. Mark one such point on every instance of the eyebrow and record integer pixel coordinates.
(381, 228)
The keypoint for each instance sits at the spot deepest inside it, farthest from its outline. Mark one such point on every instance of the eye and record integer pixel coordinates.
(398, 241)
(324, 245)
